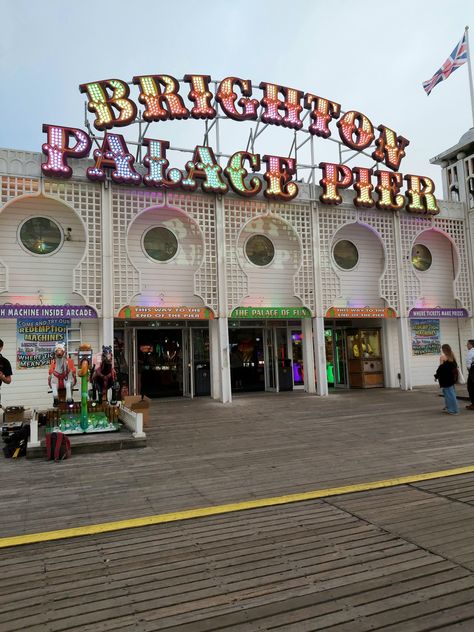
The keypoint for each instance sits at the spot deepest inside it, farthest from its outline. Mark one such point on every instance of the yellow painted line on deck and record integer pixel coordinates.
(202, 512)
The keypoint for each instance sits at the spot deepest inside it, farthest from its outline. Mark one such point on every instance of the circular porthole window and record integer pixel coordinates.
(345, 254)
(40, 235)
(421, 257)
(160, 244)
(259, 250)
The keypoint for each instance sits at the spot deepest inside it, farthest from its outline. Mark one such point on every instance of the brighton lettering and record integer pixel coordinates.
(110, 101)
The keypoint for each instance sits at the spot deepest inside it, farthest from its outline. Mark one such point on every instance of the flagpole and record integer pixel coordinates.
(469, 71)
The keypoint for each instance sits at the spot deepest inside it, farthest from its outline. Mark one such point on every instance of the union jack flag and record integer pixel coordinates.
(457, 58)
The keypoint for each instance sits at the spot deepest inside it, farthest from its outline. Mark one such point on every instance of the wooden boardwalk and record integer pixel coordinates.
(398, 559)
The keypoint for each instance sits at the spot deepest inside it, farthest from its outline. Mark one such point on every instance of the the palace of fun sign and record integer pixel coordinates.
(113, 107)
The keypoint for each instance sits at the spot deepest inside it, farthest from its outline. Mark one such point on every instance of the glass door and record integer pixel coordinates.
(247, 359)
(283, 360)
(186, 356)
(278, 364)
(201, 361)
(160, 362)
(340, 358)
(329, 343)
(297, 358)
(271, 375)
(336, 357)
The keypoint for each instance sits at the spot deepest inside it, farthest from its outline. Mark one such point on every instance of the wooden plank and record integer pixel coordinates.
(347, 561)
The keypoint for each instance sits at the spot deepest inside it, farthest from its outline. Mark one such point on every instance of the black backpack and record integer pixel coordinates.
(16, 443)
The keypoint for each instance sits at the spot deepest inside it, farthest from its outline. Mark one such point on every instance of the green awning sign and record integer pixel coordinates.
(271, 312)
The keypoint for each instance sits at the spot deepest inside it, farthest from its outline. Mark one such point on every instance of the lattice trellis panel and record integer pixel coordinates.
(14, 186)
(330, 221)
(127, 203)
(3, 278)
(298, 216)
(202, 209)
(86, 201)
(237, 215)
(411, 227)
(383, 224)
(455, 228)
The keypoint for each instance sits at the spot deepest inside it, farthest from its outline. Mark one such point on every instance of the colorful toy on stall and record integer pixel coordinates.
(103, 375)
(84, 359)
(91, 418)
(62, 374)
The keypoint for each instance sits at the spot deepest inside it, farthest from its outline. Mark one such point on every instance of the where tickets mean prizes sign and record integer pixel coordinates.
(36, 340)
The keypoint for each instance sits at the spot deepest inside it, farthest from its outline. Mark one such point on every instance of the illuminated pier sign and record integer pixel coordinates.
(361, 312)
(151, 312)
(47, 311)
(271, 312)
(438, 312)
(110, 101)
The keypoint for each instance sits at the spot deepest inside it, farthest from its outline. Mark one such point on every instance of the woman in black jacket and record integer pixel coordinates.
(447, 376)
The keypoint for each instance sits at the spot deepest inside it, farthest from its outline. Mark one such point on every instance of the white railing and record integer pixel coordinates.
(33, 441)
(133, 421)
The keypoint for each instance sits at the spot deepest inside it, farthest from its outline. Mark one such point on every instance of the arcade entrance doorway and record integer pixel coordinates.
(268, 357)
(171, 362)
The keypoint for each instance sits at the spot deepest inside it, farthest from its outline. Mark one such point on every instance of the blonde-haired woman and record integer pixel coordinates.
(447, 376)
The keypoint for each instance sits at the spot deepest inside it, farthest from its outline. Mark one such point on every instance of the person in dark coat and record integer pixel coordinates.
(447, 376)
(470, 372)
(5, 369)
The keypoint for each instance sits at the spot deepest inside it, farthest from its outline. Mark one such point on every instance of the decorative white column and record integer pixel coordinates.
(403, 325)
(318, 342)
(390, 336)
(320, 356)
(106, 335)
(214, 358)
(463, 185)
(308, 356)
(404, 338)
(220, 327)
(220, 368)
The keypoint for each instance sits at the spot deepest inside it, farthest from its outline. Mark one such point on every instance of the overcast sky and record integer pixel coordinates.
(370, 55)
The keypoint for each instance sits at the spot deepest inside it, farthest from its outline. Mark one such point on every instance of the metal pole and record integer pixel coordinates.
(469, 72)
(218, 138)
